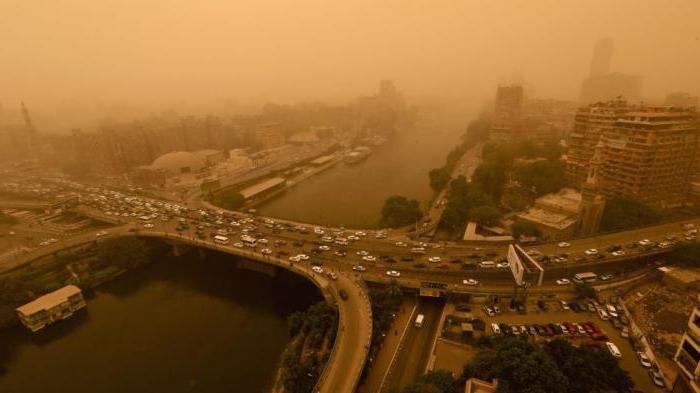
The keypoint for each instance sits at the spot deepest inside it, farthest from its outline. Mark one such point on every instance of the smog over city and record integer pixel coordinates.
(339, 197)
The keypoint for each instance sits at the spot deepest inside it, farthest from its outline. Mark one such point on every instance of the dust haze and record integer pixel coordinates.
(78, 61)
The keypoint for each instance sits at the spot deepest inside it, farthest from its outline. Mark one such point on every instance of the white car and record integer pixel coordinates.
(564, 244)
(262, 241)
(434, 259)
(362, 253)
(393, 273)
(303, 257)
(665, 244)
(369, 258)
(317, 269)
(266, 251)
(319, 231)
(591, 251)
(400, 244)
(502, 265)
(618, 253)
(101, 233)
(148, 225)
(238, 245)
(324, 248)
(353, 237)
(294, 258)
(360, 233)
(645, 242)
(359, 268)
(470, 282)
(643, 359)
(563, 281)
(332, 275)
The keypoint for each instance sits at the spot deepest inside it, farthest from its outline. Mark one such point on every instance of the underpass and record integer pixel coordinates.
(416, 347)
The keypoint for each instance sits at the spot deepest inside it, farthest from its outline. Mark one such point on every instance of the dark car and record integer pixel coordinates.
(343, 294)
(406, 258)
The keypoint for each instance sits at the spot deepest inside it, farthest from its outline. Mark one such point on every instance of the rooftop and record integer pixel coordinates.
(261, 187)
(49, 300)
(548, 218)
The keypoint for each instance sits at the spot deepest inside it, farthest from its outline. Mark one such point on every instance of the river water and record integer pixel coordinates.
(177, 325)
(353, 194)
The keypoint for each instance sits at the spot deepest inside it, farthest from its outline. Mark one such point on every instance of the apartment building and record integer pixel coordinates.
(649, 153)
(688, 357)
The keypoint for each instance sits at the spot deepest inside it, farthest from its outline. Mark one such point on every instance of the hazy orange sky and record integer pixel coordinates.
(160, 53)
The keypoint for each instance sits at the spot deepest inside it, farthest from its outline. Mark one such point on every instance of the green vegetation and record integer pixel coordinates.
(123, 252)
(438, 381)
(623, 213)
(313, 333)
(554, 367)
(399, 211)
(541, 177)
(439, 177)
(522, 228)
(385, 302)
(501, 181)
(467, 201)
(230, 200)
(6, 219)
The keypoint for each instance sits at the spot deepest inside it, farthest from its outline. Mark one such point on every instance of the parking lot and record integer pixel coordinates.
(556, 315)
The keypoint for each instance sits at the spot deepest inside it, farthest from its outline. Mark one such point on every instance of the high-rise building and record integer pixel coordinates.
(648, 153)
(589, 123)
(688, 357)
(602, 84)
(507, 114)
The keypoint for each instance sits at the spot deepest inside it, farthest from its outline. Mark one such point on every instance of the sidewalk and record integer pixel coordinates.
(375, 376)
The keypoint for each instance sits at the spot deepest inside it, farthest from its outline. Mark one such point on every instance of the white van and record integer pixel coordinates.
(418, 250)
(487, 264)
(496, 329)
(603, 315)
(419, 320)
(613, 349)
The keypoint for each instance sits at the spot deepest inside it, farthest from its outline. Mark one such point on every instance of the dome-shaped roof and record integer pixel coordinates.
(179, 162)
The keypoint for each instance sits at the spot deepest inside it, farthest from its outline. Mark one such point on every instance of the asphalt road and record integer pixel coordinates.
(416, 350)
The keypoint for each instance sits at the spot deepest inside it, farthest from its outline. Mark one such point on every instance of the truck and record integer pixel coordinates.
(221, 239)
(419, 320)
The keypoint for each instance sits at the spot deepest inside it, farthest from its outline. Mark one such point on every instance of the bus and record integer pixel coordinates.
(419, 320)
(221, 239)
(585, 277)
(249, 240)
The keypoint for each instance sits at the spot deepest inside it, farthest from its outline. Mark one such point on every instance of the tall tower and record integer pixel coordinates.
(592, 202)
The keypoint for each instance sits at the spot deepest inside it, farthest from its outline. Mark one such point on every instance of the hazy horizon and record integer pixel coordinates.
(83, 60)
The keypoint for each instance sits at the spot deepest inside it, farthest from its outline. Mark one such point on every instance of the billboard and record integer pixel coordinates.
(516, 265)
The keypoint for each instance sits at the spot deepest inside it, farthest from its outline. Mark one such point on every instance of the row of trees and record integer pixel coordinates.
(523, 367)
(621, 213)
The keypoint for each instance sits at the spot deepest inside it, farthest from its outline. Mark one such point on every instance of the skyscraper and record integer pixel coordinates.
(602, 84)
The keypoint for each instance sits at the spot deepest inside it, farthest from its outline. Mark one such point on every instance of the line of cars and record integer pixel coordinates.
(564, 329)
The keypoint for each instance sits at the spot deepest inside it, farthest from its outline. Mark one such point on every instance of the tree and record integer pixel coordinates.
(124, 252)
(231, 200)
(524, 228)
(623, 213)
(542, 177)
(438, 381)
(439, 177)
(485, 214)
(490, 177)
(399, 211)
